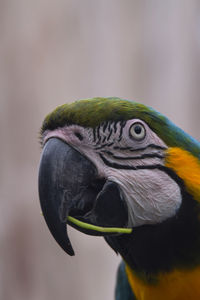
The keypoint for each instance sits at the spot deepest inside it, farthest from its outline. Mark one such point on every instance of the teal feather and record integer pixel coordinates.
(123, 290)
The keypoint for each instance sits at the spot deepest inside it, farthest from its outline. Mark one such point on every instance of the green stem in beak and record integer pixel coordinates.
(98, 228)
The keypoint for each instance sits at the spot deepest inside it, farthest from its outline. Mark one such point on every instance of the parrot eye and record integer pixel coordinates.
(137, 131)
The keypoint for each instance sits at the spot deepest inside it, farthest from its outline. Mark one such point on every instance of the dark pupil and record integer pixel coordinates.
(138, 129)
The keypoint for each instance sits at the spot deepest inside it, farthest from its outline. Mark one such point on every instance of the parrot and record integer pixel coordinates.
(121, 170)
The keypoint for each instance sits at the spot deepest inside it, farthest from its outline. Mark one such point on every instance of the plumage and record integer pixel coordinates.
(93, 112)
(119, 169)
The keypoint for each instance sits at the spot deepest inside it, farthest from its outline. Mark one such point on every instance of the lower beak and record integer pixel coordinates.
(69, 186)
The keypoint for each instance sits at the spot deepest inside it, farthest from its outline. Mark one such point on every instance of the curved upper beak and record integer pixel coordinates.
(69, 185)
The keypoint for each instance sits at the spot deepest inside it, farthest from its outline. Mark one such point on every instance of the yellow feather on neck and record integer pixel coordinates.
(175, 285)
(187, 167)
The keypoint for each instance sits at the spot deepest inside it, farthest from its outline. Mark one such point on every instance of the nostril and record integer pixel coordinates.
(79, 136)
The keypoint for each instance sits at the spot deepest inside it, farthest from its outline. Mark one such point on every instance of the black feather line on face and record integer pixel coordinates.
(122, 123)
(110, 133)
(115, 127)
(105, 126)
(103, 141)
(104, 145)
(94, 134)
(126, 167)
(140, 149)
(143, 156)
(98, 135)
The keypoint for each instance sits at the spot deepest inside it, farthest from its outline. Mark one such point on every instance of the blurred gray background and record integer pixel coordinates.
(52, 52)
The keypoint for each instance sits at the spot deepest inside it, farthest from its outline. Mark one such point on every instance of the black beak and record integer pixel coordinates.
(69, 185)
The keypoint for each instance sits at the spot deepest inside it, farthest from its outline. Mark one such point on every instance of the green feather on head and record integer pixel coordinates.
(93, 112)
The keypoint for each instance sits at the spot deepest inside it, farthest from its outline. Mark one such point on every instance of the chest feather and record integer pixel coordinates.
(176, 285)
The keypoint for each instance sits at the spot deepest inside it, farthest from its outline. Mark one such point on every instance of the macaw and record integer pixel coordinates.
(119, 169)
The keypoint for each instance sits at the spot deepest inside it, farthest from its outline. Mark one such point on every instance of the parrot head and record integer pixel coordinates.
(116, 168)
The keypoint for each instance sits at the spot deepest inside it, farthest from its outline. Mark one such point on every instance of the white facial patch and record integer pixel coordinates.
(152, 196)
